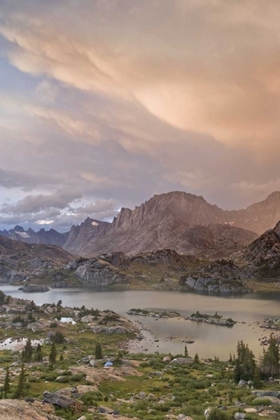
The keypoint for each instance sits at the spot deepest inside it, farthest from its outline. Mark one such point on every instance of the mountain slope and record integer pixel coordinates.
(89, 230)
(20, 261)
(265, 250)
(180, 221)
(258, 217)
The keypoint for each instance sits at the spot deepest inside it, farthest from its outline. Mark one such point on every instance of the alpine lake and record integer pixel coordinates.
(169, 335)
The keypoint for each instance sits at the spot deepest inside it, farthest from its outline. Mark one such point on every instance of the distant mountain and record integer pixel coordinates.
(258, 217)
(177, 220)
(43, 236)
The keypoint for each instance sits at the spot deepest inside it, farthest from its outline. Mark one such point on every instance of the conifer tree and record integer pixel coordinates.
(245, 364)
(257, 378)
(39, 354)
(186, 352)
(6, 387)
(270, 363)
(21, 383)
(196, 358)
(98, 351)
(53, 354)
(27, 351)
(237, 373)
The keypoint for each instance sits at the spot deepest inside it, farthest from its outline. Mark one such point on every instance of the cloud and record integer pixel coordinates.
(36, 203)
(256, 190)
(222, 80)
(58, 209)
(14, 179)
(46, 92)
(117, 100)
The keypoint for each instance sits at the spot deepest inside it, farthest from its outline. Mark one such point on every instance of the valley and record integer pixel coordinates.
(164, 293)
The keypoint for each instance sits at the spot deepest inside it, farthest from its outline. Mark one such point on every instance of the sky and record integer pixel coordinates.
(105, 103)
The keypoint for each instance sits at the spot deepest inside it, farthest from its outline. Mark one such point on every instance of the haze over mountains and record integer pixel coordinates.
(184, 222)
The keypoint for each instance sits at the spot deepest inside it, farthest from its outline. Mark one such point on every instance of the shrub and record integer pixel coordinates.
(216, 414)
(90, 398)
(77, 377)
(261, 401)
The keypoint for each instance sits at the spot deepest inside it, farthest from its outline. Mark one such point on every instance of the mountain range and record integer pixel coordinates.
(29, 236)
(181, 221)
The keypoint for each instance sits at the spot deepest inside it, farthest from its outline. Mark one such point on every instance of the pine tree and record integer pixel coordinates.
(39, 354)
(237, 371)
(6, 387)
(245, 364)
(21, 383)
(270, 363)
(98, 351)
(196, 358)
(257, 378)
(27, 351)
(53, 354)
(186, 352)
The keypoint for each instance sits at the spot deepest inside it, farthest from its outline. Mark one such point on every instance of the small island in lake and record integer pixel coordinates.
(154, 313)
(212, 319)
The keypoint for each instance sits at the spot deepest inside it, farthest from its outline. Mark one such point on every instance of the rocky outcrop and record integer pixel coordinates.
(266, 393)
(34, 288)
(30, 409)
(63, 401)
(212, 285)
(100, 272)
(117, 259)
(219, 277)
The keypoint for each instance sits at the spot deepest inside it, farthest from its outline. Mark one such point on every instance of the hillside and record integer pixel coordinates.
(262, 256)
(20, 261)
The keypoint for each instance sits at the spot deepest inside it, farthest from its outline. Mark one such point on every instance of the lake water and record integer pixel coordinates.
(210, 340)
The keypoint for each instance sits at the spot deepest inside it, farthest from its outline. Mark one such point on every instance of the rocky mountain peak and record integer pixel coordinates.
(18, 228)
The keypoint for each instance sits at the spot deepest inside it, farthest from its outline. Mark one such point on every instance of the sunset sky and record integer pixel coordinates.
(105, 103)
